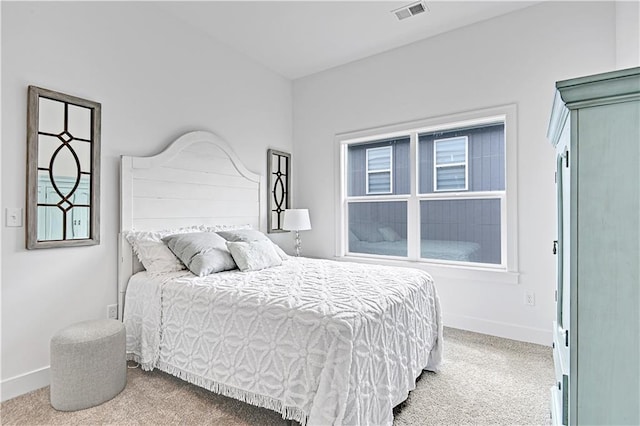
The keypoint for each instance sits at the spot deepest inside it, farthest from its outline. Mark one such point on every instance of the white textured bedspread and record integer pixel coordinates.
(321, 342)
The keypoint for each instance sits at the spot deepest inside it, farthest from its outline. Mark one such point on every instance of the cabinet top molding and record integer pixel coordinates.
(600, 89)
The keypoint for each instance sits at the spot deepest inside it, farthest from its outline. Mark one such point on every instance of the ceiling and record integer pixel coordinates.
(299, 38)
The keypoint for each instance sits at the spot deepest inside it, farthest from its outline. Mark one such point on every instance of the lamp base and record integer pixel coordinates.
(298, 244)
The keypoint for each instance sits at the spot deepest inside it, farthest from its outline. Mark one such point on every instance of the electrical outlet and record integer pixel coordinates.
(529, 298)
(112, 311)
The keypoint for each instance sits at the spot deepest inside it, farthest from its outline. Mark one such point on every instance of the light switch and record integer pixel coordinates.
(14, 216)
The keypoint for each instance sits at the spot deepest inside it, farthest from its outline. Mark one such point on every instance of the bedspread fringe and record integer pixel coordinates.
(287, 412)
(146, 366)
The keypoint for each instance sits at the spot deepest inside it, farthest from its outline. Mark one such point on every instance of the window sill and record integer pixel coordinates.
(438, 271)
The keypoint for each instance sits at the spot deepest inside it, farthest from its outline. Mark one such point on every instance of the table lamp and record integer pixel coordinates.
(296, 220)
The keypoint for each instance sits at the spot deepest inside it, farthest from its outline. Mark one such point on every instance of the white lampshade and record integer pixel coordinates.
(296, 220)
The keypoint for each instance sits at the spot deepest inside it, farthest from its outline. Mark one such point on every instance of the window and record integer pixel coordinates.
(469, 161)
(379, 170)
(450, 171)
(432, 191)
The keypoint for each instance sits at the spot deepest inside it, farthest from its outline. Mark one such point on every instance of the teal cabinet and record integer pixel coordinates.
(595, 128)
(53, 211)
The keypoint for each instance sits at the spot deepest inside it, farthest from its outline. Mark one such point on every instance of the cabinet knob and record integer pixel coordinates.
(559, 386)
(555, 247)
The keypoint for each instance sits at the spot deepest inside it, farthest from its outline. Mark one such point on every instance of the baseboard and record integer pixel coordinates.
(24, 383)
(500, 329)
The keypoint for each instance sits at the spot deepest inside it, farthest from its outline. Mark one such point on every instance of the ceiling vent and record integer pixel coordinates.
(410, 10)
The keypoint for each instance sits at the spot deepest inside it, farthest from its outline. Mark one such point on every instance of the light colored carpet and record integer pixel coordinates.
(484, 380)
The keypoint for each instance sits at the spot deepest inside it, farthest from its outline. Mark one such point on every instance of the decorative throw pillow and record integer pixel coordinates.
(254, 255)
(154, 254)
(248, 235)
(203, 253)
(389, 234)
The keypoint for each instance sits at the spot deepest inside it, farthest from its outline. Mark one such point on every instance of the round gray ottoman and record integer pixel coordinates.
(88, 364)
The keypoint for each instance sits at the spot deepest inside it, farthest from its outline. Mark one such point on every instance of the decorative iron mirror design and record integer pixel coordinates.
(63, 170)
(279, 172)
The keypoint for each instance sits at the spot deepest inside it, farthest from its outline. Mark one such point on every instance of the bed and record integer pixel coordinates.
(320, 342)
(374, 237)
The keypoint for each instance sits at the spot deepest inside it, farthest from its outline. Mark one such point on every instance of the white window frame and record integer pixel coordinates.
(389, 170)
(507, 271)
(437, 166)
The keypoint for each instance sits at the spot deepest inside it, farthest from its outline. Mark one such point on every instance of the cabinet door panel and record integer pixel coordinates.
(607, 270)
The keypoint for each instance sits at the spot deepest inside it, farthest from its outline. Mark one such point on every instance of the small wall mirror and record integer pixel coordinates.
(63, 170)
(279, 173)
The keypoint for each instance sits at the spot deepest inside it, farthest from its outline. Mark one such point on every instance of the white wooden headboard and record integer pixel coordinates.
(197, 179)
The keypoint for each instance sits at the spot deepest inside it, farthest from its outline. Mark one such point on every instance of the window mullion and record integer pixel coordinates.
(413, 204)
(453, 195)
(376, 197)
(440, 166)
(504, 230)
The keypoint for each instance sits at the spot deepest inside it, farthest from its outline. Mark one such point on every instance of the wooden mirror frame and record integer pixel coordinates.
(33, 120)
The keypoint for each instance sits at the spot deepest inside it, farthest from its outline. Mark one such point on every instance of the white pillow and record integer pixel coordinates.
(254, 255)
(281, 253)
(367, 231)
(389, 234)
(216, 228)
(154, 255)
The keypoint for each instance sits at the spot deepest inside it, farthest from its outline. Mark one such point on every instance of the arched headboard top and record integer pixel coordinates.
(196, 180)
(184, 143)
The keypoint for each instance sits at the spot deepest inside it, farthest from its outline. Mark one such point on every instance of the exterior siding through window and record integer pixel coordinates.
(357, 168)
(486, 158)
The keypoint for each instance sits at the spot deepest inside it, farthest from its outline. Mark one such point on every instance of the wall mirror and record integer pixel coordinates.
(279, 173)
(63, 170)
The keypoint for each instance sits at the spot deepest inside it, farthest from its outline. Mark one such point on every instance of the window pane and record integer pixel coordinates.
(486, 161)
(379, 159)
(379, 183)
(461, 230)
(450, 151)
(357, 166)
(450, 178)
(378, 228)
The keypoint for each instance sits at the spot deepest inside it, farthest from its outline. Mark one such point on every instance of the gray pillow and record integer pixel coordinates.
(249, 235)
(244, 235)
(254, 255)
(203, 253)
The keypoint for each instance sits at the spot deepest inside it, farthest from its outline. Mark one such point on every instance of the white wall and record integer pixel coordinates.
(156, 78)
(514, 58)
(627, 34)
